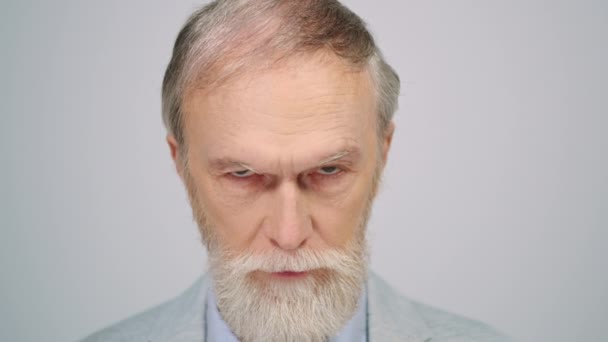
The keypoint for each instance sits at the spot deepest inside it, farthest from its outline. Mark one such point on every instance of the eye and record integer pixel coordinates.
(329, 170)
(242, 173)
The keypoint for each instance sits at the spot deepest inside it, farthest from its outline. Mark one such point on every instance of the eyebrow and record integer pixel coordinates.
(245, 166)
(225, 163)
(334, 157)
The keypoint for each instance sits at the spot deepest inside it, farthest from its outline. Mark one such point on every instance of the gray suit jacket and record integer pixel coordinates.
(392, 317)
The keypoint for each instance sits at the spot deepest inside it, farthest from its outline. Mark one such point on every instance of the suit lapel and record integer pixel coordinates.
(392, 317)
(186, 320)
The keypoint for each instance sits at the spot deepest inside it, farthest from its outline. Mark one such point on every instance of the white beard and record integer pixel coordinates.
(310, 309)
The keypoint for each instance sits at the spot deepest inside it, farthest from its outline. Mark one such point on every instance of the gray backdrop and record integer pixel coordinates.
(494, 204)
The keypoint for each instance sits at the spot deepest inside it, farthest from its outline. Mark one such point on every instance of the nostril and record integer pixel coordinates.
(302, 244)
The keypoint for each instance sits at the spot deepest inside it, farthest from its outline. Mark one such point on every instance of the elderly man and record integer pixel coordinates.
(279, 118)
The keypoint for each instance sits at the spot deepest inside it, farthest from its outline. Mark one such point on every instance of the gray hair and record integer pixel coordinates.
(226, 37)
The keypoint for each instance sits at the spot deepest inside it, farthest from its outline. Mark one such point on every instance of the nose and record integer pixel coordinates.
(290, 224)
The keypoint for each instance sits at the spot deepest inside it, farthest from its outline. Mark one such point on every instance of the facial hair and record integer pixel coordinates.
(311, 309)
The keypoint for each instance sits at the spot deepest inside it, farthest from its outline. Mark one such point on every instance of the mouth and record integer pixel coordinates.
(289, 275)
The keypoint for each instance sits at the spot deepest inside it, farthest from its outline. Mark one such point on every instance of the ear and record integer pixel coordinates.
(176, 155)
(386, 142)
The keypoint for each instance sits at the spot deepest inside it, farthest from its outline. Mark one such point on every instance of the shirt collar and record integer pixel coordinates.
(218, 330)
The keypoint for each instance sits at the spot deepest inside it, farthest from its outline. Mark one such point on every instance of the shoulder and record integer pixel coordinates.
(394, 316)
(179, 319)
(450, 327)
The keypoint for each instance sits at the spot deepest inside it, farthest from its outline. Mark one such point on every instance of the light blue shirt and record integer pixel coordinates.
(354, 331)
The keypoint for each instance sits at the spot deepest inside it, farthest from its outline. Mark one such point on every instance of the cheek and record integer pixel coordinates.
(234, 220)
(337, 222)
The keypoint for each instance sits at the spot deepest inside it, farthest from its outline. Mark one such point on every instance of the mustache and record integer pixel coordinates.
(340, 260)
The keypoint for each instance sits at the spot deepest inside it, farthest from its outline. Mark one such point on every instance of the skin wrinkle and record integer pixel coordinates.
(318, 117)
(247, 82)
(217, 165)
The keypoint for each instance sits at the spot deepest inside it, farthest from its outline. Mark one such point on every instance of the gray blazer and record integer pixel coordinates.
(392, 317)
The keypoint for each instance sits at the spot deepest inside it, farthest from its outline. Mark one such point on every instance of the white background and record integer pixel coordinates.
(494, 204)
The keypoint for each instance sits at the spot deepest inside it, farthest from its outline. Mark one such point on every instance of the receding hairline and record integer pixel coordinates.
(292, 62)
(270, 32)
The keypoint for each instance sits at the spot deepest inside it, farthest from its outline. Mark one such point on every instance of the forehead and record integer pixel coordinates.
(306, 105)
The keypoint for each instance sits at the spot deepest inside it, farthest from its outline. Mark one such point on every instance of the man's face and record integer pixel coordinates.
(285, 160)
(285, 164)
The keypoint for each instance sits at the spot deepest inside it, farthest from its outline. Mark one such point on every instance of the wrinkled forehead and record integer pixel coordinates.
(303, 105)
(301, 80)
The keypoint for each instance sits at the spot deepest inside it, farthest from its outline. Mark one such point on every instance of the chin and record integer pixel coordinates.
(292, 302)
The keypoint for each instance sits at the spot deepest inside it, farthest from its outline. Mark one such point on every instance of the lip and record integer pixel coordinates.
(290, 274)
